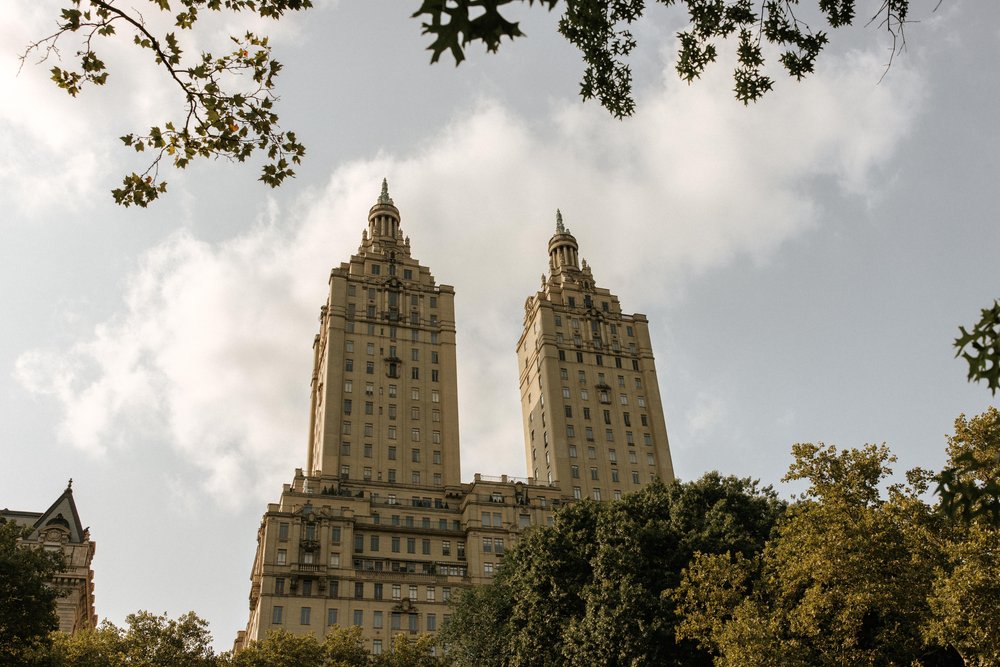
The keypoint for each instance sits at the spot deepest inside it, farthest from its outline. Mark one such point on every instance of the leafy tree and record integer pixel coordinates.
(844, 580)
(406, 652)
(100, 647)
(593, 589)
(148, 640)
(969, 487)
(279, 649)
(963, 600)
(27, 598)
(220, 119)
(600, 29)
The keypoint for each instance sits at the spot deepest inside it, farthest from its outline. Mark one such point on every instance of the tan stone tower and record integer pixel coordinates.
(384, 385)
(590, 402)
(379, 531)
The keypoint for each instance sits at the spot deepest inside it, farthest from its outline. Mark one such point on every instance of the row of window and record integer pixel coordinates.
(392, 389)
(392, 370)
(626, 416)
(574, 473)
(375, 590)
(310, 532)
(369, 431)
(392, 295)
(370, 350)
(377, 619)
(393, 311)
(368, 474)
(392, 408)
(598, 359)
(373, 330)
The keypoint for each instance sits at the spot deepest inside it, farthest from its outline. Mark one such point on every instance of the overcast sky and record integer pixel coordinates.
(804, 263)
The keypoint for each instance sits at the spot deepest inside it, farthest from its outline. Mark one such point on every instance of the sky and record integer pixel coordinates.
(804, 262)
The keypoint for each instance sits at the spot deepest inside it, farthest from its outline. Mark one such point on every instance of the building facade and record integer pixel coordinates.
(378, 530)
(590, 401)
(59, 529)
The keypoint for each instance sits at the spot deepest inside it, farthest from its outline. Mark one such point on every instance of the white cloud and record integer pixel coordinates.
(211, 349)
(705, 416)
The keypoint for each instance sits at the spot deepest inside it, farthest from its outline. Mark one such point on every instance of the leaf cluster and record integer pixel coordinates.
(980, 347)
(600, 30)
(228, 100)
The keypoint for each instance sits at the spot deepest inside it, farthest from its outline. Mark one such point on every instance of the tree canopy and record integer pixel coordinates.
(227, 101)
(27, 597)
(593, 588)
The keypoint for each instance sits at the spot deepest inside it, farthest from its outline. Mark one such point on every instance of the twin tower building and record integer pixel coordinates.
(379, 531)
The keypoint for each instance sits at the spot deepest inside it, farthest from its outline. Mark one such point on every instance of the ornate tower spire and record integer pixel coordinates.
(384, 197)
(562, 248)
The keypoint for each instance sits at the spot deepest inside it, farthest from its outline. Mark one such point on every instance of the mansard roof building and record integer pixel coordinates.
(59, 529)
(378, 530)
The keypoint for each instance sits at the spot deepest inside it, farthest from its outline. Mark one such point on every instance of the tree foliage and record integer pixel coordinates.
(980, 347)
(27, 597)
(228, 100)
(600, 29)
(592, 589)
(969, 486)
(342, 647)
(147, 640)
(855, 576)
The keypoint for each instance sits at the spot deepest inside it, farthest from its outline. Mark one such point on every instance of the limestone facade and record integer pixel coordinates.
(378, 530)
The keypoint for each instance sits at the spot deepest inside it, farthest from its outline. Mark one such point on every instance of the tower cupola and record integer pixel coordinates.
(383, 218)
(563, 249)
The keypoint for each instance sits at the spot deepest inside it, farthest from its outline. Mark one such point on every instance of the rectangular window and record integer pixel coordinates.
(414, 373)
(359, 617)
(377, 620)
(304, 615)
(572, 451)
(593, 473)
(276, 612)
(411, 545)
(413, 592)
(282, 556)
(307, 585)
(370, 367)
(347, 406)
(331, 617)
(378, 591)
(279, 586)
(396, 591)
(359, 589)
(394, 620)
(574, 472)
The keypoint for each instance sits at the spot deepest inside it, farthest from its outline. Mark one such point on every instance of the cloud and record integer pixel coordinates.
(210, 350)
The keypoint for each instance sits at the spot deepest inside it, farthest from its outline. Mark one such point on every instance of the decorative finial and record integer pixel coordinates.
(560, 229)
(384, 198)
(69, 484)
